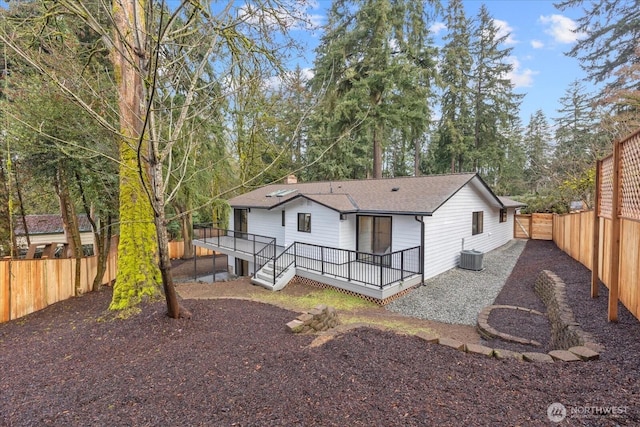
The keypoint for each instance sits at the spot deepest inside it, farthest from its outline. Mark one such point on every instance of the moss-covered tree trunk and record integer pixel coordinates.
(138, 273)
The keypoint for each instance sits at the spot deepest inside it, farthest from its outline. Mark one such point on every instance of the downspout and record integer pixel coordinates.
(420, 219)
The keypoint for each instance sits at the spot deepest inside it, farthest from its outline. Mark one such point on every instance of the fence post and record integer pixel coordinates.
(349, 264)
(322, 259)
(615, 236)
(381, 271)
(213, 280)
(595, 249)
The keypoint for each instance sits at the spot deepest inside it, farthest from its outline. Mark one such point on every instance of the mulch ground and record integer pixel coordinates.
(233, 363)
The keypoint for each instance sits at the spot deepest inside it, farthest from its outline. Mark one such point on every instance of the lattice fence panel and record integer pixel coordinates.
(606, 187)
(630, 178)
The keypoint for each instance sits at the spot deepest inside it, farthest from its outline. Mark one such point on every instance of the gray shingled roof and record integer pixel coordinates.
(47, 224)
(412, 195)
(510, 203)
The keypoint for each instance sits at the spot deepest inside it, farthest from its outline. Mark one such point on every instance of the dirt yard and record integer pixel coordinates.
(233, 363)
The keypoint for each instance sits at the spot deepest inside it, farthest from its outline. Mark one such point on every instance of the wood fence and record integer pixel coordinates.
(30, 285)
(176, 250)
(574, 234)
(537, 226)
(607, 241)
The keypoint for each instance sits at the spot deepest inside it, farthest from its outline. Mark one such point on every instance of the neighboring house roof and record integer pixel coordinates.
(47, 224)
(421, 195)
(510, 203)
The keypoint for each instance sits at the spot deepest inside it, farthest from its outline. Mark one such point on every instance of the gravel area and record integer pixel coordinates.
(458, 295)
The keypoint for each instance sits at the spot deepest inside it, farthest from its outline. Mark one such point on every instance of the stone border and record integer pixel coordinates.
(489, 332)
(578, 344)
(574, 354)
(565, 331)
(571, 342)
(321, 319)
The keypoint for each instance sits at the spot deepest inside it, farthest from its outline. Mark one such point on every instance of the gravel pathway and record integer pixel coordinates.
(457, 296)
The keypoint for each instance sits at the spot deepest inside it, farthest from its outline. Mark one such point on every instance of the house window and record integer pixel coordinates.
(476, 227)
(283, 218)
(304, 222)
(374, 234)
(503, 215)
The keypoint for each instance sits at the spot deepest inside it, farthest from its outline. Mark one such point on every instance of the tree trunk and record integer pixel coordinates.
(138, 274)
(101, 243)
(22, 212)
(173, 307)
(377, 151)
(5, 215)
(416, 157)
(103, 247)
(69, 222)
(186, 222)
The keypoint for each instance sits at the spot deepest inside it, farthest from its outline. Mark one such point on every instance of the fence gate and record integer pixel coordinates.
(537, 226)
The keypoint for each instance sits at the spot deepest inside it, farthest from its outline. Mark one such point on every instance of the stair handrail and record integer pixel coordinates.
(291, 248)
(264, 255)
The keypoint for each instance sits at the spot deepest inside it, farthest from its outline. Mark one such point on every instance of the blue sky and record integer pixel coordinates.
(540, 36)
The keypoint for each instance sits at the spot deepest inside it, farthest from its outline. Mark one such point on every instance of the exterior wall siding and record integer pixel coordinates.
(324, 231)
(268, 223)
(347, 233)
(452, 222)
(405, 232)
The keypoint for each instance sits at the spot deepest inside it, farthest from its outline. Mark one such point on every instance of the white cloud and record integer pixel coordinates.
(504, 29)
(561, 28)
(437, 27)
(520, 78)
(307, 73)
(537, 44)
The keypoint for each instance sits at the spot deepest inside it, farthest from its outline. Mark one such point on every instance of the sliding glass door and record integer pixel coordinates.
(374, 234)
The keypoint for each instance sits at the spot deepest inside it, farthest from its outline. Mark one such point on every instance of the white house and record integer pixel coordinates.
(48, 229)
(408, 228)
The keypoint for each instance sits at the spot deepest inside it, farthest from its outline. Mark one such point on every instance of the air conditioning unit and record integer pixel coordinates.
(471, 260)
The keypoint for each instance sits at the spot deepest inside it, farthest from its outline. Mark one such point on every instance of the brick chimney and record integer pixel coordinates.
(291, 179)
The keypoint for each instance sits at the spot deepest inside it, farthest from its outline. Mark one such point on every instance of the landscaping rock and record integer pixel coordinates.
(450, 342)
(584, 353)
(500, 353)
(537, 357)
(478, 349)
(564, 356)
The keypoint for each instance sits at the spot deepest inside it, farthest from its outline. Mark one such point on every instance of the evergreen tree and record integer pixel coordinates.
(450, 150)
(574, 135)
(373, 55)
(495, 105)
(609, 54)
(537, 144)
(511, 177)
